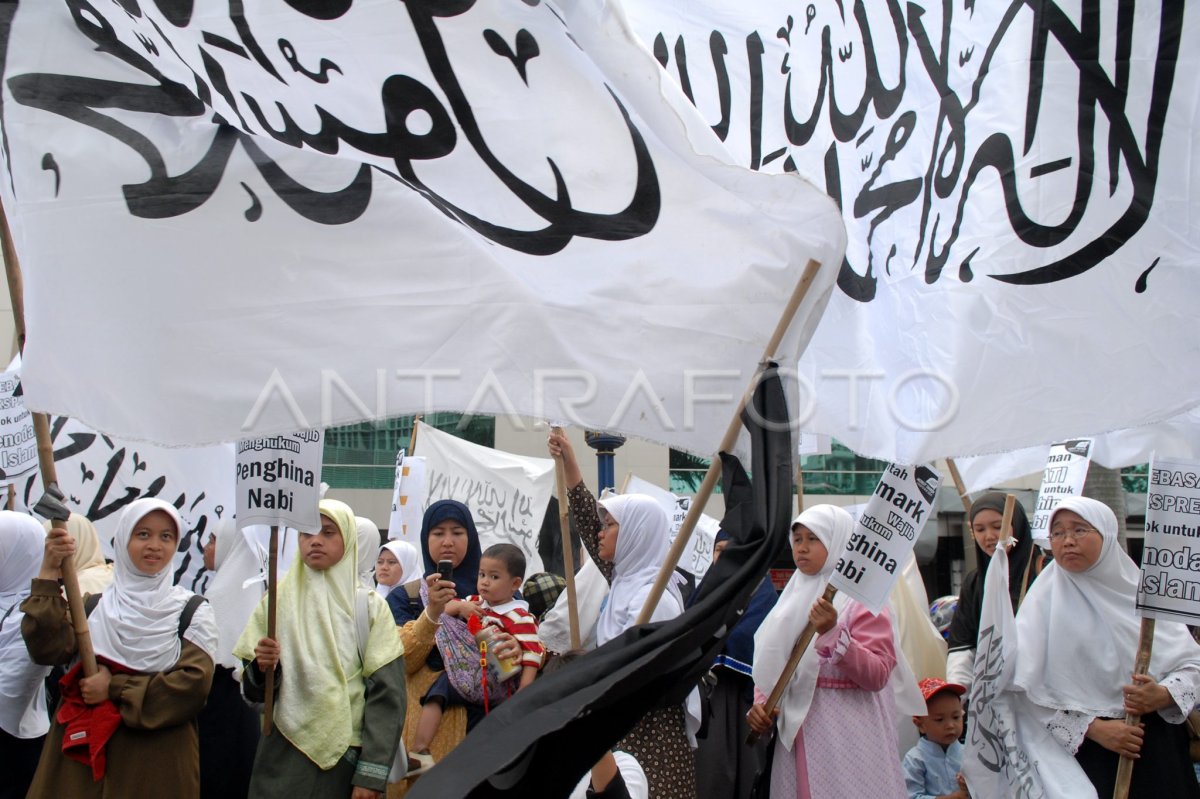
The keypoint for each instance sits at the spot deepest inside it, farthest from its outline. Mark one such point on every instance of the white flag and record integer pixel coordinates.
(508, 494)
(241, 220)
(408, 499)
(1020, 210)
(1009, 753)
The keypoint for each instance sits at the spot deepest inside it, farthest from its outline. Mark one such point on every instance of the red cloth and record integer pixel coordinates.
(87, 728)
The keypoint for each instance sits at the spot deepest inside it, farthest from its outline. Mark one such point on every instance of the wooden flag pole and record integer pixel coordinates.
(959, 487)
(412, 439)
(1141, 666)
(51, 504)
(700, 500)
(272, 586)
(564, 526)
(1010, 504)
(799, 488)
(806, 636)
(625, 482)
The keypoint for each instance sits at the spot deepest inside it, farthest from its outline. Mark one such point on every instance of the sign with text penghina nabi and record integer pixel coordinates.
(279, 480)
(885, 533)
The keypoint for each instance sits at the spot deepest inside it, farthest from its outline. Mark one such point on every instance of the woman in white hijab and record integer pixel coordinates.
(398, 563)
(628, 537)
(840, 703)
(338, 713)
(23, 720)
(368, 550)
(134, 721)
(1077, 636)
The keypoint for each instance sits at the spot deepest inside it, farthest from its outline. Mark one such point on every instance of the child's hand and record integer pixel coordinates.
(963, 793)
(823, 615)
(462, 609)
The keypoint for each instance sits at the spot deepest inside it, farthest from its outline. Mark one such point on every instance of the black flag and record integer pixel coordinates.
(542, 740)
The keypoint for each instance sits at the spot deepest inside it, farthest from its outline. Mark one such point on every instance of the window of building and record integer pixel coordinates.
(364, 455)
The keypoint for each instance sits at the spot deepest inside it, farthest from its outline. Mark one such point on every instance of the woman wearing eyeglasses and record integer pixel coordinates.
(1077, 636)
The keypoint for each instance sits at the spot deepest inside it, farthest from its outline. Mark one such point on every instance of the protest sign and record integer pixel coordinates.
(1170, 584)
(698, 556)
(279, 480)
(408, 499)
(18, 443)
(507, 494)
(884, 534)
(1066, 470)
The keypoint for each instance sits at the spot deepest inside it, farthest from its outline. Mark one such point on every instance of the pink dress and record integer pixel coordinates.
(846, 747)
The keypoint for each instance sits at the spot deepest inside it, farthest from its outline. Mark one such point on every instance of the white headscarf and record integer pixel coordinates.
(368, 550)
(410, 564)
(22, 687)
(136, 622)
(781, 628)
(642, 543)
(1077, 632)
(236, 588)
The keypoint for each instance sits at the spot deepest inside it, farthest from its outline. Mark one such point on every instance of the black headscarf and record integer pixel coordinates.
(964, 627)
(465, 574)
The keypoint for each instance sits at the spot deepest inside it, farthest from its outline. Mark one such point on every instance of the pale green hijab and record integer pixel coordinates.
(319, 708)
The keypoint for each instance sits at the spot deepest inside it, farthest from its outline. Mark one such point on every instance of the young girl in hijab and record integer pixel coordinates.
(628, 537)
(337, 716)
(156, 666)
(1077, 637)
(987, 514)
(23, 720)
(397, 569)
(836, 720)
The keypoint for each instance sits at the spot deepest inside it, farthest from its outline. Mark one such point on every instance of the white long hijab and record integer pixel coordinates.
(22, 688)
(410, 564)
(782, 627)
(136, 622)
(236, 588)
(643, 539)
(1077, 632)
(368, 550)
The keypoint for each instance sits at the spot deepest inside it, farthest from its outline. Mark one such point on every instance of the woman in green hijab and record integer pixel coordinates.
(337, 715)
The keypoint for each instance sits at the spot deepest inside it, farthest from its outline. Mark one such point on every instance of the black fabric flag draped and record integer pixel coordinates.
(541, 741)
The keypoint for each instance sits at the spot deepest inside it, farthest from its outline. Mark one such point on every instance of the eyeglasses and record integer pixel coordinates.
(1074, 533)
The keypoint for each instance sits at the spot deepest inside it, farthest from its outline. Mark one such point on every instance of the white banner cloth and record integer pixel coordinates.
(267, 220)
(508, 494)
(1018, 185)
(1009, 752)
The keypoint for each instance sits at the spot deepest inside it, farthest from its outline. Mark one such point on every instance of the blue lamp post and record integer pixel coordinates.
(605, 445)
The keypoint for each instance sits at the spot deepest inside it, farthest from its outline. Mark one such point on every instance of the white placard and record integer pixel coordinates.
(278, 480)
(813, 444)
(18, 442)
(1066, 470)
(697, 557)
(408, 499)
(1170, 584)
(884, 534)
(507, 493)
